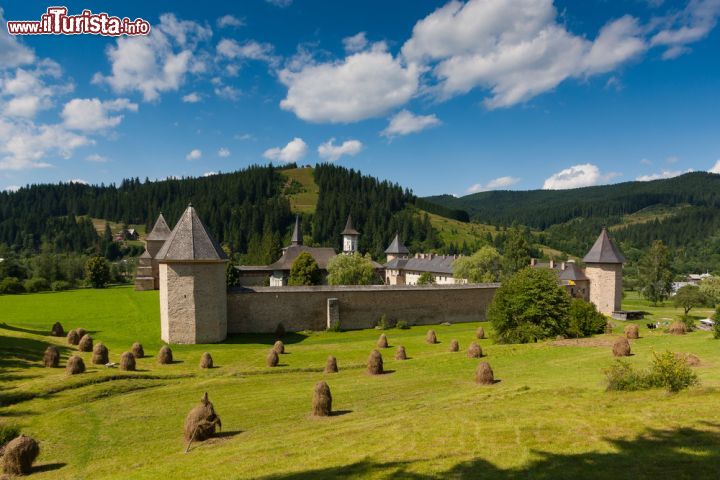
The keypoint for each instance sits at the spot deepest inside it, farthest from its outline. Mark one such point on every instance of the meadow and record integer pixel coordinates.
(549, 415)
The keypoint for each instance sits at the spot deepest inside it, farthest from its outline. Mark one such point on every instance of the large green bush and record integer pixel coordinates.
(305, 271)
(37, 284)
(667, 371)
(585, 320)
(97, 272)
(11, 285)
(529, 306)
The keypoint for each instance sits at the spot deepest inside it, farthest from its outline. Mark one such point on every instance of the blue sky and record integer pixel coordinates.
(442, 97)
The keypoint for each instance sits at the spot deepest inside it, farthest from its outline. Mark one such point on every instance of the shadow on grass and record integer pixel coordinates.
(25, 330)
(340, 413)
(48, 467)
(688, 453)
(263, 338)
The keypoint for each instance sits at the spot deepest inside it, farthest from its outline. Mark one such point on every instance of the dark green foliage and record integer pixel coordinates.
(402, 325)
(36, 284)
(352, 269)
(97, 272)
(716, 326)
(232, 276)
(529, 306)
(689, 297)
(655, 275)
(426, 278)
(11, 285)
(667, 371)
(437, 209)
(305, 271)
(585, 320)
(516, 251)
(8, 432)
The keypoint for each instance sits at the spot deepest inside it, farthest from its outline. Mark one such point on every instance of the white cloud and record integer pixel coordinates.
(79, 181)
(295, 150)
(12, 188)
(515, 48)
(192, 97)
(88, 114)
(355, 43)
(280, 3)
(405, 122)
(158, 62)
(499, 183)
(252, 50)
(223, 152)
(661, 175)
(26, 91)
(209, 174)
(715, 168)
(688, 26)
(227, 92)
(364, 85)
(12, 52)
(243, 136)
(194, 154)
(331, 152)
(583, 175)
(23, 144)
(646, 161)
(230, 21)
(97, 158)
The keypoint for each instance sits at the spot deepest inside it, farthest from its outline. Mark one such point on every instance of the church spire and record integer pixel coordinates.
(297, 238)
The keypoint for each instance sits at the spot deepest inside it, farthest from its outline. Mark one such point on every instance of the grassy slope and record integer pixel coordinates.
(548, 417)
(305, 200)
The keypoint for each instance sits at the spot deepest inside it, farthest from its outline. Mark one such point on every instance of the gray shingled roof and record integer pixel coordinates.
(160, 231)
(397, 247)
(322, 256)
(437, 264)
(349, 229)
(572, 272)
(190, 241)
(297, 238)
(604, 251)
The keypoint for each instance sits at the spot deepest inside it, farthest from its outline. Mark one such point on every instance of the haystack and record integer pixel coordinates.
(480, 333)
(331, 365)
(690, 359)
(72, 338)
(206, 360)
(382, 341)
(375, 363)
(75, 365)
(86, 343)
(454, 346)
(81, 332)
(201, 422)
(137, 350)
(484, 374)
(400, 353)
(609, 327)
(632, 331)
(57, 330)
(430, 337)
(127, 362)
(621, 347)
(165, 355)
(100, 354)
(322, 400)
(279, 347)
(51, 357)
(677, 328)
(272, 359)
(19, 455)
(474, 351)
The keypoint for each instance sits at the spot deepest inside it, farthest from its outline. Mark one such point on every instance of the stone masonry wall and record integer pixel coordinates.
(260, 309)
(605, 286)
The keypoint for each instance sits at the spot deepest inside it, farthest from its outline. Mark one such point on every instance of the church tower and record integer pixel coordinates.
(604, 264)
(350, 237)
(193, 293)
(147, 276)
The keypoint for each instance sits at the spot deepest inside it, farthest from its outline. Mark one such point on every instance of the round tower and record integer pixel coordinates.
(604, 264)
(193, 293)
(350, 237)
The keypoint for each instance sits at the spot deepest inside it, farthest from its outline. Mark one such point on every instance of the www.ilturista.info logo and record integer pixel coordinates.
(57, 22)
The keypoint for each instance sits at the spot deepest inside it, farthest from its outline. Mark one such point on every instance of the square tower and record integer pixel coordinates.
(604, 264)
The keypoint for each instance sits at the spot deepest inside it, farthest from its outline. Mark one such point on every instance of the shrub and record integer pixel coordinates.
(667, 370)
(11, 286)
(584, 319)
(60, 285)
(688, 321)
(716, 326)
(97, 272)
(334, 327)
(426, 278)
(402, 325)
(384, 322)
(352, 269)
(621, 376)
(305, 271)
(36, 284)
(529, 306)
(7, 433)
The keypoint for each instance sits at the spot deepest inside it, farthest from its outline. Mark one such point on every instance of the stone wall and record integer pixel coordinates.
(605, 286)
(260, 309)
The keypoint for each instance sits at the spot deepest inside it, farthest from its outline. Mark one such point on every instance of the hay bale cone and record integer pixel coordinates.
(430, 337)
(382, 341)
(632, 331)
(621, 347)
(272, 359)
(474, 351)
(206, 360)
(127, 362)
(400, 353)
(375, 363)
(137, 350)
(454, 346)
(51, 357)
(677, 328)
(165, 355)
(72, 338)
(75, 365)
(86, 343)
(480, 333)
(57, 330)
(331, 365)
(19, 455)
(322, 400)
(484, 374)
(81, 332)
(690, 359)
(100, 354)
(279, 347)
(201, 422)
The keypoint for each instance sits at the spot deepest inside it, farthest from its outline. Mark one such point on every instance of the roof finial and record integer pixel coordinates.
(297, 235)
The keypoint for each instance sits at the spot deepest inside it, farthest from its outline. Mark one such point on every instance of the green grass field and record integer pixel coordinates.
(304, 200)
(548, 416)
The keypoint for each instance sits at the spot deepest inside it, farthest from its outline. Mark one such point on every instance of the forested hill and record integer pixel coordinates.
(682, 211)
